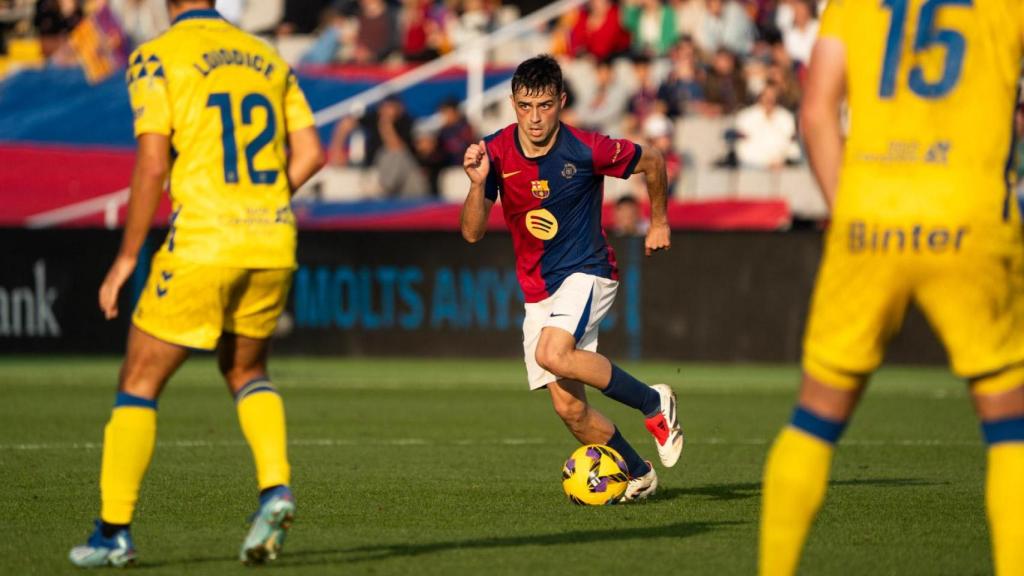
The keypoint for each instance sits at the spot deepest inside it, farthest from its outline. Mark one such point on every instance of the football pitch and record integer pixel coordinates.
(405, 466)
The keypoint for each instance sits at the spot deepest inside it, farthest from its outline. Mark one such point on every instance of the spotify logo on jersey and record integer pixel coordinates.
(541, 224)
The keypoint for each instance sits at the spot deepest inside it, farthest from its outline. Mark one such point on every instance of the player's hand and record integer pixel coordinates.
(659, 237)
(119, 272)
(476, 162)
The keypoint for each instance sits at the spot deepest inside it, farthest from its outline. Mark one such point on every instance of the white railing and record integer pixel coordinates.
(472, 56)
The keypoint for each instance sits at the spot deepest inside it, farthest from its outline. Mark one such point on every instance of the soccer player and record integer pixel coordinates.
(551, 177)
(922, 210)
(221, 113)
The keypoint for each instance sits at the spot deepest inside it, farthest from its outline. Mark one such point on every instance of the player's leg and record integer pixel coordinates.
(589, 426)
(982, 328)
(797, 470)
(567, 348)
(999, 403)
(859, 302)
(255, 302)
(128, 441)
(243, 363)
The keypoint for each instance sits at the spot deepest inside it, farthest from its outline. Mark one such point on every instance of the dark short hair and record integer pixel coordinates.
(538, 75)
(628, 199)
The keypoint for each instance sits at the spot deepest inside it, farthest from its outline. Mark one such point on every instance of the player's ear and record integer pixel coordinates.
(563, 98)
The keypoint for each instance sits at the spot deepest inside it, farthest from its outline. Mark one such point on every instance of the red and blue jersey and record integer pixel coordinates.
(552, 204)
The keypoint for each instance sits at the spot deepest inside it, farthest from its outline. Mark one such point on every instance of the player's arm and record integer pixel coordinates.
(477, 208)
(652, 165)
(820, 113)
(305, 156)
(152, 162)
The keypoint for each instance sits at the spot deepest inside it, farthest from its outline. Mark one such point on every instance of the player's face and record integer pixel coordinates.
(537, 114)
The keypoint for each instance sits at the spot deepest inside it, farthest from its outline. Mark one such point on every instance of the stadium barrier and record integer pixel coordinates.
(715, 296)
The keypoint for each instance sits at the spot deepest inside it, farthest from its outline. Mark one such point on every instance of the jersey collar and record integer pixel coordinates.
(202, 14)
(537, 159)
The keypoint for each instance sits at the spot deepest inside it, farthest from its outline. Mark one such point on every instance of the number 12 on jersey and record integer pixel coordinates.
(927, 36)
(222, 100)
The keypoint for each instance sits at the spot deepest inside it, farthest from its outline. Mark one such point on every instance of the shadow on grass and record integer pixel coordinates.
(741, 491)
(386, 551)
(357, 554)
(376, 552)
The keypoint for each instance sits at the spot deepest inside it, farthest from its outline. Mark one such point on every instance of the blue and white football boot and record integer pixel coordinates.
(269, 526)
(117, 551)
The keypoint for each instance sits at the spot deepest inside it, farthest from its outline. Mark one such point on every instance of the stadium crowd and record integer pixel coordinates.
(635, 68)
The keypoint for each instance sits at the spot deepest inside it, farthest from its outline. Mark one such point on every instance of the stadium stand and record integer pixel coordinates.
(679, 73)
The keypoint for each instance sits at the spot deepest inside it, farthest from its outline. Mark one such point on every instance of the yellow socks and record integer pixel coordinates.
(128, 441)
(1004, 496)
(795, 479)
(261, 414)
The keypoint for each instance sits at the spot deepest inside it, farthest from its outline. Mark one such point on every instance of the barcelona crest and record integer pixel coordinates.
(540, 189)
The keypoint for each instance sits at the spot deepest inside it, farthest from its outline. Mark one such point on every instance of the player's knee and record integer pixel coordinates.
(999, 397)
(134, 380)
(238, 376)
(554, 360)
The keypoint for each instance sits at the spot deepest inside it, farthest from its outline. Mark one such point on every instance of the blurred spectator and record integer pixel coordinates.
(141, 20)
(629, 219)
(598, 31)
(659, 133)
(474, 19)
(689, 17)
(324, 49)
(766, 132)
(444, 147)
(377, 32)
(785, 80)
(422, 37)
(683, 85)
(562, 33)
(726, 25)
(603, 106)
(388, 147)
(799, 37)
(644, 100)
(652, 26)
(455, 134)
(53, 21)
(724, 85)
(430, 157)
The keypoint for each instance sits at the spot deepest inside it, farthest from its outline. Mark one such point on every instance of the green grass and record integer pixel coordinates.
(452, 467)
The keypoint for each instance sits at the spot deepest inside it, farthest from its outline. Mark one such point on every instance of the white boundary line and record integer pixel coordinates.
(400, 442)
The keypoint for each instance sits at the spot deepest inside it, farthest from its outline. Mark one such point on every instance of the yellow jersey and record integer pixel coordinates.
(227, 101)
(931, 87)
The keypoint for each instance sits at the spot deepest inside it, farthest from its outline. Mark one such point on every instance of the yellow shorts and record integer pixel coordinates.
(968, 280)
(191, 304)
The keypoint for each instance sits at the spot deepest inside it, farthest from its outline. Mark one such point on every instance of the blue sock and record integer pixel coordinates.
(821, 428)
(634, 463)
(268, 493)
(632, 392)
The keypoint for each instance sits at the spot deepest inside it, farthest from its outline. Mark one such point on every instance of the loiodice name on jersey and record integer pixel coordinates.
(217, 58)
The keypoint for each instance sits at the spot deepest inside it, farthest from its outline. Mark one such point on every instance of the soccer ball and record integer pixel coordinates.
(594, 475)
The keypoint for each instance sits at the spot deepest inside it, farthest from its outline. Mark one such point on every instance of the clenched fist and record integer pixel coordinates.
(476, 163)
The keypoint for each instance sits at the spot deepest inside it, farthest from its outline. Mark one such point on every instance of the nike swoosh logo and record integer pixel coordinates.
(510, 174)
(553, 315)
(161, 291)
(167, 275)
